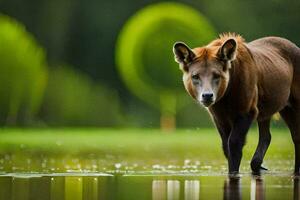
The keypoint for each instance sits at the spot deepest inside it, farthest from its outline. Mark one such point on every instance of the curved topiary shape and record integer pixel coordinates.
(23, 72)
(144, 52)
(73, 99)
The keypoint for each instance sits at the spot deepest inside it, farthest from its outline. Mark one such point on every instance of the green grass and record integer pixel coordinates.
(130, 150)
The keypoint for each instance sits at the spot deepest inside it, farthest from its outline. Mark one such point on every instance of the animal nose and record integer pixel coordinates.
(207, 96)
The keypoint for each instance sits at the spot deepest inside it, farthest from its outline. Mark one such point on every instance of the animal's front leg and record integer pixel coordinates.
(224, 131)
(236, 141)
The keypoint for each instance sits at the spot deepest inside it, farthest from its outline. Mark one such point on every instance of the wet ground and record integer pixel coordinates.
(92, 186)
(138, 165)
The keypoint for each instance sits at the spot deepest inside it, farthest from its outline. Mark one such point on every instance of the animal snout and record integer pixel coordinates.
(207, 96)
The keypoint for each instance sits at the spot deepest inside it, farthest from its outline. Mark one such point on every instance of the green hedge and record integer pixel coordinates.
(23, 73)
(73, 99)
(144, 52)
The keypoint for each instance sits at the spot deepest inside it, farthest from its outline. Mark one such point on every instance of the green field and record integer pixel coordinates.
(131, 151)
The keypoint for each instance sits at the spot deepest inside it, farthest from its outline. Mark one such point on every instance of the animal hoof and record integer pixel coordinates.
(256, 165)
(234, 174)
(258, 172)
(263, 168)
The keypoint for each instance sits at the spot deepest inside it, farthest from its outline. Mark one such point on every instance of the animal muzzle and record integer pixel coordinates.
(207, 98)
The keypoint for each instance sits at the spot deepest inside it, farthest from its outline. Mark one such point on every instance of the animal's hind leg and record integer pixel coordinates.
(291, 116)
(263, 144)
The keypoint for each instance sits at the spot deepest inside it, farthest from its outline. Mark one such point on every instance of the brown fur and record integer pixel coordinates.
(264, 78)
(260, 74)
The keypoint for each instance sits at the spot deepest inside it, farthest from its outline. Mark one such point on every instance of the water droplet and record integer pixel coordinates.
(187, 162)
(118, 165)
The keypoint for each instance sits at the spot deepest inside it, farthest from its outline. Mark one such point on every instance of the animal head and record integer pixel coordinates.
(206, 69)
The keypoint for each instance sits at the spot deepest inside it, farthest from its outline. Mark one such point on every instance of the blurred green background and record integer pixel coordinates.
(110, 63)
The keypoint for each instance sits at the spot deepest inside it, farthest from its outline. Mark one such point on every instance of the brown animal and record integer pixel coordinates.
(240, 82)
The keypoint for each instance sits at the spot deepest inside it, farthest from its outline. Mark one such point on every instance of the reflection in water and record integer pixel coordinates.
(73, 188)
(257, 188)
(91, 188)
(57, 189)
(170, 189)
(5, 188)
(119, 187)
(30, 187)
(159, 188)
(232, 189)
(173, 187)
(191, 189)
(296, 188)
(20, 188)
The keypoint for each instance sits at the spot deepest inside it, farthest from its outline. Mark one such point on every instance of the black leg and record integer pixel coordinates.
(291, 116)
(263, 144)
(297, 158)
(224, 131)
(236, 141)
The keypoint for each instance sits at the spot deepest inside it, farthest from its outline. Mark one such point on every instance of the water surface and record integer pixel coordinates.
(92, 186)
(137, 165)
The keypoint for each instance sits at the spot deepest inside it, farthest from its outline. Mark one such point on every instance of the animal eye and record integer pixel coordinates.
(195, 77)
(196, 80)
(216, 76)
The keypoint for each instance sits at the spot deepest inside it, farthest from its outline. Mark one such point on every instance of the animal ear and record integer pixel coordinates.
(183, 54)
(228, 50)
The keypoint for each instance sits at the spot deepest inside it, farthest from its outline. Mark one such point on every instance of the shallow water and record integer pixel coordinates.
(92, 186)
(66, 166)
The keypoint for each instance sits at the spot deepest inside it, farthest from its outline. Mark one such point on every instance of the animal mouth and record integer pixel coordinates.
(207, 103)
